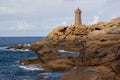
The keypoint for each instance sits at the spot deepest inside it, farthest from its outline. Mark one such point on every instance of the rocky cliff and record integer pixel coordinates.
(98, 45)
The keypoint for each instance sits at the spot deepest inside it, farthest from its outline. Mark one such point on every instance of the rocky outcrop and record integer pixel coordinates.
(69, 33)
(90, 73)
(102, 52)
(98, 45)
(30, 61)
(59, 65)
(20, 47)
(103, 46)
(50, 59)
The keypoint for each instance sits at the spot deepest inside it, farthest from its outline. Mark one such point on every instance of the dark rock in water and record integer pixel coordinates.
(42, 76)
(20, 47)
(30, 61)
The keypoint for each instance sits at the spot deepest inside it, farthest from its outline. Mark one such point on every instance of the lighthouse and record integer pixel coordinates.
(78, 20)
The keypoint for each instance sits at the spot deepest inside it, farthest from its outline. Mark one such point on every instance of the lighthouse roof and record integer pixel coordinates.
(78, 10)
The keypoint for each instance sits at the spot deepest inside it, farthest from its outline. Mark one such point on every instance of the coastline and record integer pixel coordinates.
(97, 46)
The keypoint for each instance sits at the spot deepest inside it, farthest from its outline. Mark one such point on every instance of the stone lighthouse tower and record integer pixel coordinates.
(78, 20)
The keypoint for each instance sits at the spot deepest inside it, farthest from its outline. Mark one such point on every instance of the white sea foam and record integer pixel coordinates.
(27, 44)
(12, 49)
(24, 44)
(23, 50)
(3, 48)
(31, 67)
(18, 61)
(17, 49)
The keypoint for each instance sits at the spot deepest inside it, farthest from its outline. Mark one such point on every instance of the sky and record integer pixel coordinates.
(39, 17)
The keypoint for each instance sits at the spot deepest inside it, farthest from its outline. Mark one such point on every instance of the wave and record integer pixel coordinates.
(21, 50)
(24, 44)
(17, 50)
(5, 49)
(31, 67)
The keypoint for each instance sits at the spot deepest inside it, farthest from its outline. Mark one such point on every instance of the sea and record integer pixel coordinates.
(10, 69)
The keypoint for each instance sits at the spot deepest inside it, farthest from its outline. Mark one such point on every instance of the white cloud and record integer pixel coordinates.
(69, 0)
(11, 28)
(10, 10)
(100, 13)
(95, 20)
(41, 16)
(21, 26)
(27, 28)
(115, 15)
(64, 23)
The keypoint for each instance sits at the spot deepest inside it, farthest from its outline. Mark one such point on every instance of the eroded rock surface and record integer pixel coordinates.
(98, 45)
(90, 73)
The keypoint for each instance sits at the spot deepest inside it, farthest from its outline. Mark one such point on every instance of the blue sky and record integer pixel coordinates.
(39, 17)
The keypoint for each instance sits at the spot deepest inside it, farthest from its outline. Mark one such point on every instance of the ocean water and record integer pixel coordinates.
(10, 69)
